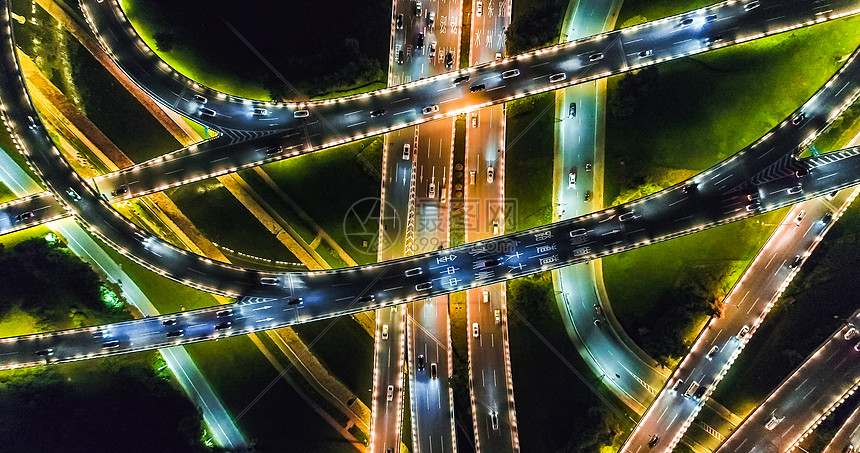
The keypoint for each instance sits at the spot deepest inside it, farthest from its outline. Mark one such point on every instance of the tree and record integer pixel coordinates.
(165, 41)
(633, 90)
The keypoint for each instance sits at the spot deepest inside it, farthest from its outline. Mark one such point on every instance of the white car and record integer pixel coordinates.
(430, 109)
(774, 420)
(431, 192)
(486, 295)
(490, 173)
(432, 49)
(406, 154)
(495, 227)
(475, 331)
(800, 217)
(479, 8)
(571, 178)
(390, 394)
(385, 331)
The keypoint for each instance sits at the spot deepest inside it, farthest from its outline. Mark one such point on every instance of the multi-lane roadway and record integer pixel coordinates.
(718, 197)
(804, 397)
(579, 61)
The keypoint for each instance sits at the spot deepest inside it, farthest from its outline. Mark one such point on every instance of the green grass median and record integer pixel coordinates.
(673, 121)
(818, 301)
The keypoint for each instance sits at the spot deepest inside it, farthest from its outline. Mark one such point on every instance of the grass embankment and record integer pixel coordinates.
(840, 132)
(816, 303)
(345, 349)
(318, 47)
(534, 24)
(528, 161)
(266, 403)
(238, 372)
(92, 89)
(329, 186)
(681, 121)
(685, 277)
(231, 225)
(574, 418)
(669, 128)
(638, 11)
(6, 194)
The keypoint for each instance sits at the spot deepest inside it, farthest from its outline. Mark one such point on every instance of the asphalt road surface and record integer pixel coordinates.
(802, 398)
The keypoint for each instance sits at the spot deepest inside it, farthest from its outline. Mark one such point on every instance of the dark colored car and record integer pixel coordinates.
(449, 60)
(421, 362)
(492, 263)
(571, 111)
(461, 79)
(399, 21)
(477, 87)
(378, 112)
(798, 119)
(796, 262)
(122, 190)
(25, 216)
(223, 325)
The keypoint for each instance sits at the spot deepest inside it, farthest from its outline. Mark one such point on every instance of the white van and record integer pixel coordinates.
(691, 389)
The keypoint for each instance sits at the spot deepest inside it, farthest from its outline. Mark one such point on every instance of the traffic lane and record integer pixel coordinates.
(488, 29)
(490, 383)
(430, 329)
(442, 34)
(725, 336)
(578, 131)
(847, 434)
(802, 398)
(13, 65)
(165, 84)
(170, 170)
(385, 429)
(396, 187)
(217, 156)
(609, 355)
(433, 157)
(578, 66)
(30, 211)
(332, 293)
(489, 375)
